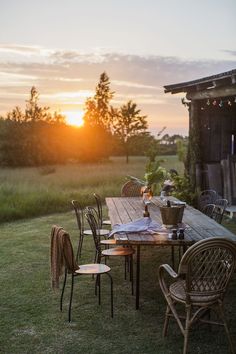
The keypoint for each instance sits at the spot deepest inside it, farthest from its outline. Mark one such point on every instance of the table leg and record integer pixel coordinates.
(137, 276)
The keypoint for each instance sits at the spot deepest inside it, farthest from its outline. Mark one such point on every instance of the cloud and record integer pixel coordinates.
(65, 78)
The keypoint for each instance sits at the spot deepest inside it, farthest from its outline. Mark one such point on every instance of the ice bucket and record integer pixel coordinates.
(172, 216)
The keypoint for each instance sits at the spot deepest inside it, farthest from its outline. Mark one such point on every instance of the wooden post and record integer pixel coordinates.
(194, 148)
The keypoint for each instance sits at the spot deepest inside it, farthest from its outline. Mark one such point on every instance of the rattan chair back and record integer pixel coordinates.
(208, 266)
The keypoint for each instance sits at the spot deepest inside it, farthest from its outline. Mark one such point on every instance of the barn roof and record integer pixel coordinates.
(224, 79)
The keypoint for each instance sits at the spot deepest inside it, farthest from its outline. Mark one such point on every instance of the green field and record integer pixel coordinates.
(30, 320)
(29, 192)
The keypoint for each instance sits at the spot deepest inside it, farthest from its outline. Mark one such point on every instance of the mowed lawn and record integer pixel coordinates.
(30, 320)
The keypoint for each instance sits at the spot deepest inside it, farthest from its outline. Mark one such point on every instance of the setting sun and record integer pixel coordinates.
(74, 118)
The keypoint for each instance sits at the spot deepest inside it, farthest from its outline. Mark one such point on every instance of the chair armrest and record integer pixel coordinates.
(168, 269)
(162, 283)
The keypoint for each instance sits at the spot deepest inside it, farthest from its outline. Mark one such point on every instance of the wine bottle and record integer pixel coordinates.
(146, 213)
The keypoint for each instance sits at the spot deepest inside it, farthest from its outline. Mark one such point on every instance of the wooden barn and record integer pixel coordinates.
(212, 131)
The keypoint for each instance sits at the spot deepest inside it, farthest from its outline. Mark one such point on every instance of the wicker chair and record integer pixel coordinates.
(200, 285)
(62, 256)
(131, 189)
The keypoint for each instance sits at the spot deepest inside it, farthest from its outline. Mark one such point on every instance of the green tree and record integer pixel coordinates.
(97, 108)
(97, 137)
(127, 122)
(28, 138)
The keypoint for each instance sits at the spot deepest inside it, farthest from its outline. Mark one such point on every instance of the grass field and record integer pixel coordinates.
(31, 322)
(29, 192)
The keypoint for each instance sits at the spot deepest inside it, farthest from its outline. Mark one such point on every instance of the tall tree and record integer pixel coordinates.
(97, 122)
(127, 123)
(97, 107)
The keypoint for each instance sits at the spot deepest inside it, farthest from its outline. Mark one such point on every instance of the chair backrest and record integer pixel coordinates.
(79, 215)
(220, 206)
(99, 208)
(131, 189)
(92, 218)
(208, 266)
(207, 196)
(208, 210)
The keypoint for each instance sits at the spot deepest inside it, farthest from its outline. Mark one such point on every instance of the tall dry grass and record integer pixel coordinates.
(27, 192)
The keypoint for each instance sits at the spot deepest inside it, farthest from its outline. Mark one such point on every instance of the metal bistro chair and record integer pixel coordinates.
(207, 196)
(219, 210)
(79, 212)
(100, 211)
(200, 285)
(62, 256)
(208, 210)
(126, 252)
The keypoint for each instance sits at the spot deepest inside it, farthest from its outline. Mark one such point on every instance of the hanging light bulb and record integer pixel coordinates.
(229, 103)
(208, 102)
(221, 104)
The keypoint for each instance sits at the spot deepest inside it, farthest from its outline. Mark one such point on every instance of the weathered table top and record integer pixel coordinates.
(198, 226)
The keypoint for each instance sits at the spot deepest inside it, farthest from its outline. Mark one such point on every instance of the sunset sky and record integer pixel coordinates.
(62, 47)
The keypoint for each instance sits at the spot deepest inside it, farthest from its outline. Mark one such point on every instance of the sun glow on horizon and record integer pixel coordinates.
(74, 118)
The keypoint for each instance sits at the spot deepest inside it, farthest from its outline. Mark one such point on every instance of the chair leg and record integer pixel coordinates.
(71, 296)
(78, 254)
(99, 289)
(166, 323)
(111, 280)
(131, 274)
(125, 266)
(222, 316)
(187, 327)
(63, 289)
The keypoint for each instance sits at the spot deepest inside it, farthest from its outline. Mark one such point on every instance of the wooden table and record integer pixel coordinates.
(198, 226)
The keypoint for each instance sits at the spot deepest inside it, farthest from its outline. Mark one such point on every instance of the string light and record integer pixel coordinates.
(219, 103)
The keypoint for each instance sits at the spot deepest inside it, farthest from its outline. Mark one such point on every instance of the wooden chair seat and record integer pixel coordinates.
(100, 232)
(118, 251)
(108, 242)
(93, 269)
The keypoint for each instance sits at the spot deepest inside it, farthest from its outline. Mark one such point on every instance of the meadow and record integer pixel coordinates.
(30, 192)
(30, 319)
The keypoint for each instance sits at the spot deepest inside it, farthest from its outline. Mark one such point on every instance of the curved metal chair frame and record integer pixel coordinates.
(100, 211)
(201, 283)
(66, 256)
(208, 210)
(131, 189)
(126, 252)
(79, 212)
(220, 206)
(207, 196)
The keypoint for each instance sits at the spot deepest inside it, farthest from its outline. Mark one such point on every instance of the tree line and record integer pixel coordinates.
(35, 136)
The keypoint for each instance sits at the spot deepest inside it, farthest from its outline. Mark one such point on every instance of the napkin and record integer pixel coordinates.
(145, 224)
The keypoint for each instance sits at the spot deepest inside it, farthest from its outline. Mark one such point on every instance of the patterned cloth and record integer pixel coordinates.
(61, 254)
